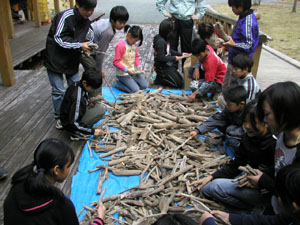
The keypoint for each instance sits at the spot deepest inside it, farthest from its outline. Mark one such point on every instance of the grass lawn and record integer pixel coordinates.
(278, 22)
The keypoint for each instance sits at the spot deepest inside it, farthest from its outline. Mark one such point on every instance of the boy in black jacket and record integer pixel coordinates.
(229, 121)
(69, 35)
(77, 114)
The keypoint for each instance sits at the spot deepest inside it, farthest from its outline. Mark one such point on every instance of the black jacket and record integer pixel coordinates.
(73, 108)
(228, 122)
(20, 207)
(258, 152)
(63, 47)
(162, 59)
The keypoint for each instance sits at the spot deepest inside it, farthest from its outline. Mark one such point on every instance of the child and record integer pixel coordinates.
(78, 115)
(69, 35)
(245, 35)
(213, 67)
(105, 30)
(127, 60)
(208, 33)
(256, 149)
(242, 64)
(229, 121)
(165, 58)
(279, 105)
(34, 198)
(288, 186)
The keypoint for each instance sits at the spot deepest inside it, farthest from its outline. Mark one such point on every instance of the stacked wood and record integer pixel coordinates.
(153, 142)
(243, 180)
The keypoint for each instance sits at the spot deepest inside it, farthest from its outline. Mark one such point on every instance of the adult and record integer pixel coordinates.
(69, 35)
(183, 13)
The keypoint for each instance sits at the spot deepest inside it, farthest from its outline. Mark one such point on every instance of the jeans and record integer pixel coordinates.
(58, 88)
(131, 83)
(225, 191)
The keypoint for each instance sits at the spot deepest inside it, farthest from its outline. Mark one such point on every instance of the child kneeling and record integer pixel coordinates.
(78, 114)
(213, 67)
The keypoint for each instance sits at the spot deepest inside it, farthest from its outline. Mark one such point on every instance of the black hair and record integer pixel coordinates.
(48, 154)
(135, 31)
(175, 219)
(251, 111)
(243, 61)
(87, 4)
(284, 100)
(166, 27)
(206, 30)
(236, 94)
(118, 13)
(198, 46)
(287, 184)
(93, 77)
(245, 4)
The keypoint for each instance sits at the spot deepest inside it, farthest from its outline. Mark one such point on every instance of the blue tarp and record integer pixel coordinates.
(84, 184)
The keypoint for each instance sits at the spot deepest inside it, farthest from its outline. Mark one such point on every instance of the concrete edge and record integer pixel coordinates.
(282, 56)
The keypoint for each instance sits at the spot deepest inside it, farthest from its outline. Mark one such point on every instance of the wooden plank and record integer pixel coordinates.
(56, 6)
(36, 11)
(8, 19)
(28, 45)
(6, 68)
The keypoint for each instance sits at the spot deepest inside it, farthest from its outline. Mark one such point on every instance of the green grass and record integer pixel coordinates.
(278, 22)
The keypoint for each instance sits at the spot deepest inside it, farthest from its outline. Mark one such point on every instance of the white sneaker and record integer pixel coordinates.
(58, 125)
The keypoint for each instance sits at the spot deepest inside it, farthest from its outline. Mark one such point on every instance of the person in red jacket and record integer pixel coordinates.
(213, 67)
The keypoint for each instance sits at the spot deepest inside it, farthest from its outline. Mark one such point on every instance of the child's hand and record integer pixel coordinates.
(230, 43)
(186, 55)
(223, 215)
(131, 71)
(254, 179)
(201, 183)
(193, 134)
(100, 210)
(169, 15)
(204, 217)
(196, 74)
(98, 132)
(85, 47)
(103, 74)
(192, 97)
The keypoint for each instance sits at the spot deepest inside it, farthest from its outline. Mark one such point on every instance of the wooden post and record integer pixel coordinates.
(6, 67)
(36, 11)
(71, 3)
(56, 6)
(6, 11)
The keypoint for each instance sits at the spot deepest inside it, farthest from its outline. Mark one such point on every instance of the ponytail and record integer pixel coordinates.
(48, 154)
(135, 32)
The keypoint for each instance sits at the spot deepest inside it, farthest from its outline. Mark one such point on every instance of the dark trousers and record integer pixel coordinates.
(183, 29)
(169, 77)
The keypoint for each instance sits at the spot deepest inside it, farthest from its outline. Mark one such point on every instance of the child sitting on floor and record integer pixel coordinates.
(77, 114)
(213, 67)
(288, 186)
(242, 64)
(165, 58)
(129, 69)
(256, 149)
(229, 121)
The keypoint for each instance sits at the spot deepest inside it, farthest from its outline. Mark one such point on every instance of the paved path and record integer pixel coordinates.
(271, 68)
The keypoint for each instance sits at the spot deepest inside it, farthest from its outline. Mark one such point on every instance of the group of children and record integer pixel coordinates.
(249, 119)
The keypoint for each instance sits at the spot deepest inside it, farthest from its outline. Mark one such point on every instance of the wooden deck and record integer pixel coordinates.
(26, 112)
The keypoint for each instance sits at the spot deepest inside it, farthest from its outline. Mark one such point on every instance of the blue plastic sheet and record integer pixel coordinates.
(84, 184)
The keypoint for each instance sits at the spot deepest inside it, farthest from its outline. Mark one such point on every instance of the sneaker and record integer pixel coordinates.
(77, 136)
(3, 174)
(58, 125)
